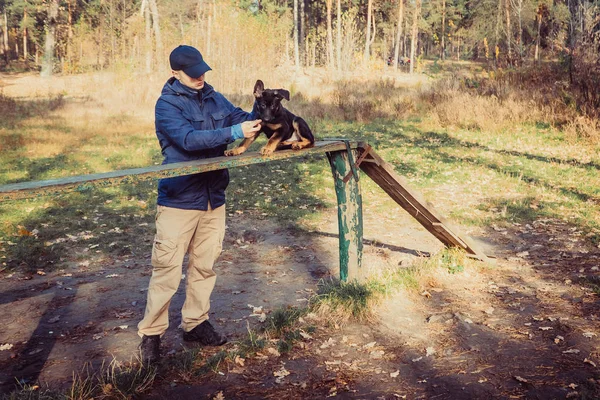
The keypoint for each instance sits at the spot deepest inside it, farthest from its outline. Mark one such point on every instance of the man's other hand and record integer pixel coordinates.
(251, 128)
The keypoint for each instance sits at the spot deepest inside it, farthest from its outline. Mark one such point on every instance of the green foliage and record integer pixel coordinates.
(453, 261)
(281, 319)
(352, 298)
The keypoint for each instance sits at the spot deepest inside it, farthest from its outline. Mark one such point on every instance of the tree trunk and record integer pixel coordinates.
(25, 54)
(302, 33)
(536, 57)
(330, 60)
(367, 53)
(156, 27)
(508, 31)
(296, 37)
(148, 36)
(208, 34)
(443, 49)
(415, 34)
(497, 32)
(5, 35)
(398, 32)
(520, 34)
(69, 27)
(50, 41)
(338, 45)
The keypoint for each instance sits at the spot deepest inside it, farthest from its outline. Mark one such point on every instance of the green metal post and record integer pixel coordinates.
(350, 219)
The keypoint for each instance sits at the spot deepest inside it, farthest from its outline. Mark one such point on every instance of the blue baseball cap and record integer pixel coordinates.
(189, 60)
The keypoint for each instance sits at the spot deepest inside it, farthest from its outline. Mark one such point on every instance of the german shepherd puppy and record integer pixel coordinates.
(284, 129)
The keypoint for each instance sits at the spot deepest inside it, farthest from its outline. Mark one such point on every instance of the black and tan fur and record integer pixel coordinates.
(284, 129)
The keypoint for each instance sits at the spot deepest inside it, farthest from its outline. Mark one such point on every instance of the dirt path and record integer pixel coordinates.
(526, 328)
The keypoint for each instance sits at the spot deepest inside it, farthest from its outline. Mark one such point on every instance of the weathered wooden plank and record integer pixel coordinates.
(25, 190)
(350, 218)
(397, 188)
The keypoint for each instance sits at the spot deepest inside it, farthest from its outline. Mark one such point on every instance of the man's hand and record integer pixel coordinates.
(251, 128)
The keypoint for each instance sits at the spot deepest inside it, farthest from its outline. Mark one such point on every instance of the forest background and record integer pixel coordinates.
(135, 37)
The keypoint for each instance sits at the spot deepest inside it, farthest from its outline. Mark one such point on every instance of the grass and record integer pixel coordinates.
(115, 381)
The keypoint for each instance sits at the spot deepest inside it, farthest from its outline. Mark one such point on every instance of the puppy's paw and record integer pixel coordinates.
(296, 146)
(233, 152)
(265, 151)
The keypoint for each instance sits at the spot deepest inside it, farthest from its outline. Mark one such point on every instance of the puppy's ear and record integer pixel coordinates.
(259, 87)
(283, 94)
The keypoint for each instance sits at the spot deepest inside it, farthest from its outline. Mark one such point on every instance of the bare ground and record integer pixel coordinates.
(525, 328)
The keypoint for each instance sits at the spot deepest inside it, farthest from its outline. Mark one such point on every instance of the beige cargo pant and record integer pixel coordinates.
(198, 233)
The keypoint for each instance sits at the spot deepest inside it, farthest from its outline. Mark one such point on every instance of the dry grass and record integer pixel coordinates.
(500, 102)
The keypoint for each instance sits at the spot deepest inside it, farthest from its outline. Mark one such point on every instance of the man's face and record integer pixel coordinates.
(186, 80)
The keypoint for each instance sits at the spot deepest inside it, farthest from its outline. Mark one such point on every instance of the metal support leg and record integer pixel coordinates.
(350, 219)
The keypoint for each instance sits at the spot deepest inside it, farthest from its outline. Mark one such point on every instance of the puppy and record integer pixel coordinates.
(284, 129)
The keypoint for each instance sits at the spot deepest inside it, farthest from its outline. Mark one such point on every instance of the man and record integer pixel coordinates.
(193, 122)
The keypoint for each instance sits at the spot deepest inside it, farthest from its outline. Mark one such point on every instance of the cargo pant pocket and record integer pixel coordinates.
(164, 252)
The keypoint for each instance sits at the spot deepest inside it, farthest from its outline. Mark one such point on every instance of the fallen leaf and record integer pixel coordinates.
(219, 396)
(21, 231)
(417, 359)
(394, 374)
(273, 351)
(239, 360)
(426, 294)
(305, 335)
(558, 339)
(6, 346)
(545, 328)
(40, 272)
(429, 351)
(369, 345)
(377, 354)
(520, 379)
(281, 373)
(589, 335)
(571, 351)
(588, 361)
(328, 343)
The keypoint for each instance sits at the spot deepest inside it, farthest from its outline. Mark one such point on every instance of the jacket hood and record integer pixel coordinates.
(174, 87)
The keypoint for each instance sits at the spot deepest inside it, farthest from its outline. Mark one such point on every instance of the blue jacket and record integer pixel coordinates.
(192, 125)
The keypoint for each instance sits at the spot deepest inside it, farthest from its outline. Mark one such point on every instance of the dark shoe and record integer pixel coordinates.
(150, 349)
(205, 334)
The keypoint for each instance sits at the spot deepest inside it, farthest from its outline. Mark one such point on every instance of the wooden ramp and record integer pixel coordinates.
(394, 185)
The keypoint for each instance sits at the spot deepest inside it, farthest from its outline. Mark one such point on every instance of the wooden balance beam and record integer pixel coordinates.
(341, 154)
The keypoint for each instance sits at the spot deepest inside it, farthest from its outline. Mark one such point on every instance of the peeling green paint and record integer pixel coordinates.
(350, 220)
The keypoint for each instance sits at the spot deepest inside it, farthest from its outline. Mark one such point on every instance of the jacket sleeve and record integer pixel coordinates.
(181, 133)
(238, 115)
